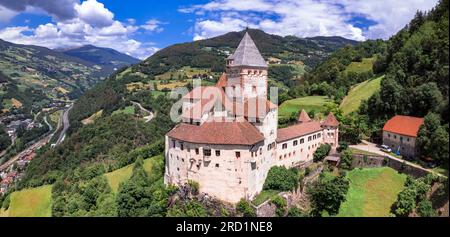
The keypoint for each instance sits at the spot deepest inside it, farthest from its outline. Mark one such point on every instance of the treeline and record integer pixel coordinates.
(416, 65)
(110, 141)
(330, 78)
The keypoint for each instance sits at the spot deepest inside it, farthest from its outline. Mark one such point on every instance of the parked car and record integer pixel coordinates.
(386, 148)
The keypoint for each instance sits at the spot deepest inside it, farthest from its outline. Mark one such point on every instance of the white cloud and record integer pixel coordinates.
(305, 18)
(153, 25)
(6, 14)
(94, 13)
(93, 24)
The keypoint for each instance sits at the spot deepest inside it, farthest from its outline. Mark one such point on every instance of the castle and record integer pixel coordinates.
(229, 138)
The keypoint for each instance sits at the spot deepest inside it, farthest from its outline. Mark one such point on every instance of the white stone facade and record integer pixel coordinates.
(237, 167)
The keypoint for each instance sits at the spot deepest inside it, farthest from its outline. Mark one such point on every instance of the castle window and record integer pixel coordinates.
(407, 139)
(254, 89)
(207, 152)
(309, 138)
(238, 154)
(302, 141)
(284, 146)
(217, 165)
(295, 143)
(181, 146)
(173, 143)
(260, 151)
(217, 152)
(182, 160)
(284, 155)
(389, 135)
(395, 136)
(197, 151)
(318, 135)
(280, 157)
(293, 153)
(289, 154)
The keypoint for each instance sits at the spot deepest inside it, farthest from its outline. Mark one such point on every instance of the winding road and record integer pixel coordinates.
(147, 118)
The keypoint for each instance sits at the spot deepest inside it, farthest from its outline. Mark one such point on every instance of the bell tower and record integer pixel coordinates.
(246, 72)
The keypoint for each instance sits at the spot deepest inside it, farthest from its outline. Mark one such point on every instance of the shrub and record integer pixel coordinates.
(425, 209)
(194, 186)
(321, 152)
(6, 202)
(296, 212)
(327, 195)
(346, 159)
(244, 208)
(282, 179)
(280, 203)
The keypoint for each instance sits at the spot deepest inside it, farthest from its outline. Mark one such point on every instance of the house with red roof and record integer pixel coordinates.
(228, 138)
(400, 133)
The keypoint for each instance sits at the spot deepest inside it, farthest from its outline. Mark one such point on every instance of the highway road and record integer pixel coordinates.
(66, 124)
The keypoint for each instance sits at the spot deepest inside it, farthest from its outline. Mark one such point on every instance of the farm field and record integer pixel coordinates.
(358, 93)
(364, 66)
(118, 176)
(372, 192)
(34, 202)
(308, 103)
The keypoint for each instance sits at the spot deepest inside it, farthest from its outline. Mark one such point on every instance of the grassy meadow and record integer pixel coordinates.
(358, 93)
(372, 192)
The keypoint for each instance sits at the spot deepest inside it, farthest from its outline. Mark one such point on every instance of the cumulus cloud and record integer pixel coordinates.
(92, 24)
(59, 9)
(94, 13)
(305, 18)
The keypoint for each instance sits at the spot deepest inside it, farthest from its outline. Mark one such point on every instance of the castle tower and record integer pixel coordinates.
(246, 71)
(303, 117)
(331, 130)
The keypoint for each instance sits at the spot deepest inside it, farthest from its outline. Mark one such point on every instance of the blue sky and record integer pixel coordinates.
(140, 28)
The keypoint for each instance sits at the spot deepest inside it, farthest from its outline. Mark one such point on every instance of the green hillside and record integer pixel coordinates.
(372, 192)
(118, 176)
(364, 66)
(309, 103)
(36, 202)
(33, 202)
(361, 91)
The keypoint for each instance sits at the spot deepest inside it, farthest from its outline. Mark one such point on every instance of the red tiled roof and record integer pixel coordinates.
(330, 121)
(223, 80)
(218, 132)
(303, 117)
(404, 125)
(298, 130)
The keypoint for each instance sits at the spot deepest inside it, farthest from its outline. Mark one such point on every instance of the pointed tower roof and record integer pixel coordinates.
(247, 54)
(304, 117)
(330, 121)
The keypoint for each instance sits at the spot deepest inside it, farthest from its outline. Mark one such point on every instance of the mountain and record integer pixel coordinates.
(38, 75)
(211, 53)
(107, 58)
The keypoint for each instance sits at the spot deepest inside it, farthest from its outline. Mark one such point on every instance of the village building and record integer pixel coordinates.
(229, 138)
(400, 133)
